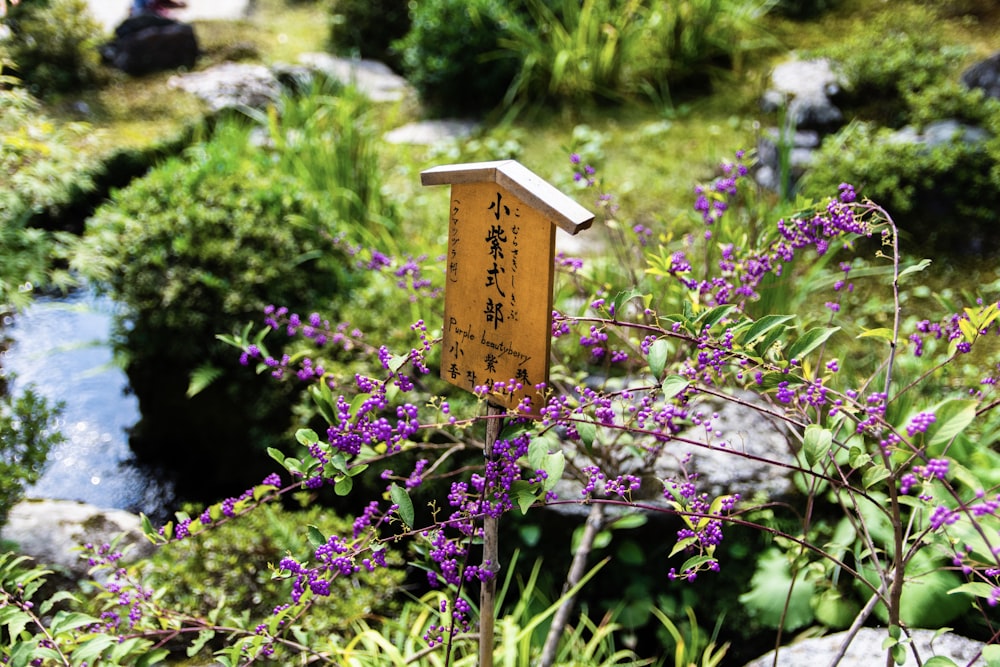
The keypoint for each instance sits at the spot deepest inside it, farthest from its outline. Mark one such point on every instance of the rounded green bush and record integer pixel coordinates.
(943, 197)
(451, 54)
(53, 45)
(199, 247)
(900, 52)
(367, 28)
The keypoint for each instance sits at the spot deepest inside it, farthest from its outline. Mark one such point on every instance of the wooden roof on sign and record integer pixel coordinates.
(519, 181)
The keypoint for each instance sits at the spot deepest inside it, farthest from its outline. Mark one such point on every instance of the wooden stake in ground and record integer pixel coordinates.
(498, 304)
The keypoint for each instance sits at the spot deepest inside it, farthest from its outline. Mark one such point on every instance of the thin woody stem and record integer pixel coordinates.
(491, 551)
(593, 525)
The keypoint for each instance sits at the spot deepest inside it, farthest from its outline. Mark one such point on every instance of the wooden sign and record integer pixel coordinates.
(498, 294)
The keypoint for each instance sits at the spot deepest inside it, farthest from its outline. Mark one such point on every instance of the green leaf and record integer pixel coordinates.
(694, 562)
(991, 654)
(16, 622)
(343, 486)
(262, 491)
(201, 378)
(513, 429)
(357, 402)
(627, 521)
(553, 467)
(673, 385)
(305, 437)
(24, 652)
(316, 536)
(681, 545)
(915, 268)
(631, 554)
(658, 356)
(203, 638)
(397, 361)
(601, 540)
(92, 648)
(951, 418)
(621, 299)
(65, 621)
(153, 658)
(874, 475)
(588, 433)
(712, 317)
(816, 443)
(523, 494)
(762, 326)
(401, 498)
(769, 592)
(978, 588)
(322, 396)
(834, 610)
(58, 596)
(809, 341)
(277, 455)
(147, 527)
(942, 661)
(881, 332)
(127, 647)
(858, 458)
(538, 449)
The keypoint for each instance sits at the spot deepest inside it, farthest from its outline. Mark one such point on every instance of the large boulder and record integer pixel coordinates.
(805, 89)
(150, 43)
(231, 86)
(866, 649)
(52, 532)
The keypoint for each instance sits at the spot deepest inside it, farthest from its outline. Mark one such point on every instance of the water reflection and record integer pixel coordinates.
(60, 345)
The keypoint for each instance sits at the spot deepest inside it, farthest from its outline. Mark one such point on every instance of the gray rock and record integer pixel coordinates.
(374, 79)
(806, 87)
(866, 650)
(984, 74)
(231, 85)
(939, 133)
(51, 532)
(746, 453)
(430, 132)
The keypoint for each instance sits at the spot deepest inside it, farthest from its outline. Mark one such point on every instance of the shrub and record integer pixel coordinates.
(201, 245)
(25, 441)
(40, 170)
(367, 28)
(947, 194)
(451, 54)
(53, 44)
(900, 52)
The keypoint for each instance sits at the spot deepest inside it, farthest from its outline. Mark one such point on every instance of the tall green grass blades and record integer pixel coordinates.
(575, 52)
(327, 139)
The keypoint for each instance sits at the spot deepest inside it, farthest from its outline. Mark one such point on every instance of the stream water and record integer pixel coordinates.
(61, 346)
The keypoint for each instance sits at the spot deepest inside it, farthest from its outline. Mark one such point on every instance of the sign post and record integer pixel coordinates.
(498, 303)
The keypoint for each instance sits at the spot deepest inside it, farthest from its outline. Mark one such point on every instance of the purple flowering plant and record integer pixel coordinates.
(893, 464)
